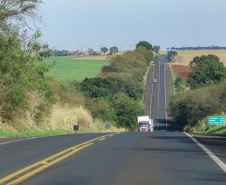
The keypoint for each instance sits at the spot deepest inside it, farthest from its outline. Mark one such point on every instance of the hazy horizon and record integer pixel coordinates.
(72, 25)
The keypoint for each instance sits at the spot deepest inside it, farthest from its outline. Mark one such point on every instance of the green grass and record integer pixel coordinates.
(173, 78)
(214, 130)
(67, 69)
(33, 132)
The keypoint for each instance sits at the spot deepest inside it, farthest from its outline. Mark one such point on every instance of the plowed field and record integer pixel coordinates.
(181, 70)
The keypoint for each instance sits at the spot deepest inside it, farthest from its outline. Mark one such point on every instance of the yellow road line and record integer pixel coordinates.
(74, 148)
(102, 139)
(26, 176)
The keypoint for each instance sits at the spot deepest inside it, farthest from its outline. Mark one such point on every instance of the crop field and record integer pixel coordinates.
(67, 69)
(185, 57)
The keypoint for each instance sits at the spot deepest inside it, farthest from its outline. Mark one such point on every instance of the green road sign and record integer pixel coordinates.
(216, 120)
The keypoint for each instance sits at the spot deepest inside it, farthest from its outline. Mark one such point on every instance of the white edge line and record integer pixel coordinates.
(35, 137)
(152, 93)
(210, 154)
(165, 93)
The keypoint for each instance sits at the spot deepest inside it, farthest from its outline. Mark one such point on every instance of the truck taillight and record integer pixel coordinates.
(148, 128)
(139, 129)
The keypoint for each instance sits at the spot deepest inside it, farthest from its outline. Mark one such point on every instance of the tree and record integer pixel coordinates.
(21, 72)
(156, 49)
(15, 12)
(148, 55)
(171, 55)
(98, 87)
(104, 49)
(146, 44)
(114, 50)
(156, 59)
(90, 50)
(206, 70)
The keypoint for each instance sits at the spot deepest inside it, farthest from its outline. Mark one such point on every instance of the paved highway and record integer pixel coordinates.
(133, 158)
(159, 103)
(125, 158)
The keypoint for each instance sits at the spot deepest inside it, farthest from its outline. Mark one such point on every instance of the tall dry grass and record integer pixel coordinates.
(67, 112)
(66, 116)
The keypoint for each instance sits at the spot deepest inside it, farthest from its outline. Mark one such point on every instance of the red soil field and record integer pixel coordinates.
(181, 70)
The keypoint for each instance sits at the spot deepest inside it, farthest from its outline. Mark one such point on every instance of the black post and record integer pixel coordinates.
(76, 128)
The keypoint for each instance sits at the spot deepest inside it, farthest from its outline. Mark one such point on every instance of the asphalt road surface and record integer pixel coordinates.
(167, 158)
(132, 158)
(160, 97)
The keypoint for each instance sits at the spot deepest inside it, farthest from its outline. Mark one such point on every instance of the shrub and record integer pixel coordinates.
(180, 83)
(189, 107)
(98, 87)
(127, 84)
(21, 73)
(100, 108)
(147, 54)
(126, 110)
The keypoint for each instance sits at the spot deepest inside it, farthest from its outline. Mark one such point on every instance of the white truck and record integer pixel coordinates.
(145, 124)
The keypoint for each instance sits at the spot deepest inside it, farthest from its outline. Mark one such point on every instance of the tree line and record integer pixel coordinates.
(115, 96)
(198, 48)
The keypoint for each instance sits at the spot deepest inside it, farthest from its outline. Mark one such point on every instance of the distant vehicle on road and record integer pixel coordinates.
(154, 80)
(145, 124)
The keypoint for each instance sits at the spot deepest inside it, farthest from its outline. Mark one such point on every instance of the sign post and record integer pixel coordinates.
(107, 126)
(216, 120)
(76, 128)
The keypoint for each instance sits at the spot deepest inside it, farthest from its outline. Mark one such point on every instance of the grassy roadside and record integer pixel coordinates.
(145, 81)
(173, 78)
(146, 75)
(32, 132)
(214, 130)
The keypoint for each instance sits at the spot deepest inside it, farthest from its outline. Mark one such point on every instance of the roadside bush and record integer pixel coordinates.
(180, 84)
(126, 110)
(21, 73)
(148, 55)
(190, 107)
(127, 84)
(100, 108)
(117, 64)
(98, 87)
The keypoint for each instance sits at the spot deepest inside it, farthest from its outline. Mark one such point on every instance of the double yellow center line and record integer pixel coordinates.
(33, 169)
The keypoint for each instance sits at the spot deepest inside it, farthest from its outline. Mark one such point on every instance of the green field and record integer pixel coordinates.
(67, 69)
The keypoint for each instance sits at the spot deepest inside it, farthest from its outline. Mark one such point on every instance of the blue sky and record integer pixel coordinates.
(73, 24)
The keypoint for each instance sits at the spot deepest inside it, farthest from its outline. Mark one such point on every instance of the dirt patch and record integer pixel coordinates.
(181, 70)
